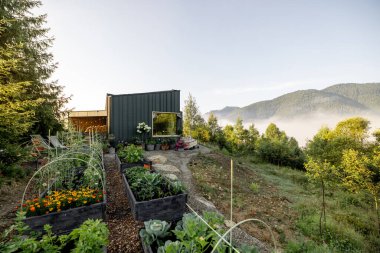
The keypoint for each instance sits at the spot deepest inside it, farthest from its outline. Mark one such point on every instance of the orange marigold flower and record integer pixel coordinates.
(32, 209)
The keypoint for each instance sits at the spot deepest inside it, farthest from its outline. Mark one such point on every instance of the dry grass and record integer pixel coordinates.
(212, 178)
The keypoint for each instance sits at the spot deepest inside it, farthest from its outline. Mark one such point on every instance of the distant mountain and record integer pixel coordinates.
(341, 99)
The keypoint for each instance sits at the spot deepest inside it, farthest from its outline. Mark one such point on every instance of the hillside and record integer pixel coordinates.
(340, 99)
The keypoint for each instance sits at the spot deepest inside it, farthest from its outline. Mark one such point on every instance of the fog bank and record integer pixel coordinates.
(303, 128)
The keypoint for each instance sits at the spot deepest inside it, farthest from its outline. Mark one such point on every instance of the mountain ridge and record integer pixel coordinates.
(340, 99)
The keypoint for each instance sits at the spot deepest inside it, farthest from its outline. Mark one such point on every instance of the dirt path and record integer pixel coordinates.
(123, 228)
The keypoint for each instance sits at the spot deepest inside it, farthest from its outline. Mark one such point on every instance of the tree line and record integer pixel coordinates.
(273, 146)
(30, 102)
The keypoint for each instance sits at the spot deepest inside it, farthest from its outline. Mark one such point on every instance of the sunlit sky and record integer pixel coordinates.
(222, 52)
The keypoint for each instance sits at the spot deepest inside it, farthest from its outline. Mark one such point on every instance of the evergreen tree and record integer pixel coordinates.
(192, 117)
(20, 27)
(17, 110)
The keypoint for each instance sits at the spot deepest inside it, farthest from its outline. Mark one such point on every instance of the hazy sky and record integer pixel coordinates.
(223, 52)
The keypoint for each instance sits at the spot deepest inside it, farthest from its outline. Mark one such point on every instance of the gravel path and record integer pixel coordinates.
(123, 228)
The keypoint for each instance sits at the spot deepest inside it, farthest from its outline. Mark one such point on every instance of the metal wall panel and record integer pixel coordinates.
(127, 110)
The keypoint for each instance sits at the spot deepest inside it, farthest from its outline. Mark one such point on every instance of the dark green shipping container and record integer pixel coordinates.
(127, 110)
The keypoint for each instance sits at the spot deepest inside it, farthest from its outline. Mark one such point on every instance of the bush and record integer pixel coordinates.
(11, 156)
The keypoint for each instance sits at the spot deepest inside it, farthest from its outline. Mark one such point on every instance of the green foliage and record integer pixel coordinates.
(38, 100)
(329, 144)
(91, 236)
(11, 156)
(306, 247)
(193, 235)
(192, 117)
(154, 231)
(354, 128)
(376, 134)
(254, 187)
(277, 148)
(213, 127)
(130, 154)
(17, 110)
(147, 186)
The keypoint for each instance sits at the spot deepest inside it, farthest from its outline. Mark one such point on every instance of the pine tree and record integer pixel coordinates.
(17, 111)
(20, 27)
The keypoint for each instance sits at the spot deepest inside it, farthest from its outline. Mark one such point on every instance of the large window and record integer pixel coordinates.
(165, 123)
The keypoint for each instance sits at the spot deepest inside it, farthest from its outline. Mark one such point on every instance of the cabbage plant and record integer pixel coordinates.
(154, 230)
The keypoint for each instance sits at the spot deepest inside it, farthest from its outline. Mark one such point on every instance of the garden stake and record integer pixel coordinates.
(232, 186)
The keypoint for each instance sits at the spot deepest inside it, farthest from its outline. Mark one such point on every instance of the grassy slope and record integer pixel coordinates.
(285, 199)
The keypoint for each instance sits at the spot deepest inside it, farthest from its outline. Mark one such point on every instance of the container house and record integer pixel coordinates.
(160, 110)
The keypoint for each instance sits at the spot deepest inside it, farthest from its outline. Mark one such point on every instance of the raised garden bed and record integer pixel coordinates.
(146, 248)
(124, 166)
(168, 208)
(65, 221)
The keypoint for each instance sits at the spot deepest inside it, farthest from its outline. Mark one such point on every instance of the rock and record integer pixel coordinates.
(158, 159)
(229, 223)
(208, 204)
(166, 168)
(171, 177)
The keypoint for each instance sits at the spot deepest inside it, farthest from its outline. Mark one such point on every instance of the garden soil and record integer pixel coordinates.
(124, 230)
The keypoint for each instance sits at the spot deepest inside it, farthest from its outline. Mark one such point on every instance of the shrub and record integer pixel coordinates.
(11, 156)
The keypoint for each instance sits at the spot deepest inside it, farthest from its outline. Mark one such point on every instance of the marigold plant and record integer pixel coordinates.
(58, 201)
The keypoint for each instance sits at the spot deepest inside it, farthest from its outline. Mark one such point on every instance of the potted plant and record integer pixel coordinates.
(158, 144)
(180, 145)
(143, 129)
(152, 196)
(165, 144)
(150, 144)
(172, 142)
